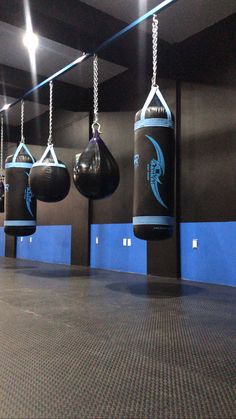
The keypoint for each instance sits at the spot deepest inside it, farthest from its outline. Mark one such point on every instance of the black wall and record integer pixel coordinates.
(208, 125)
(208, 149)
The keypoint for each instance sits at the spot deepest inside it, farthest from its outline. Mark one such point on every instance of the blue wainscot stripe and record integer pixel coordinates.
(2, 242)
(214, 260)
(110, 248)
(50, 244)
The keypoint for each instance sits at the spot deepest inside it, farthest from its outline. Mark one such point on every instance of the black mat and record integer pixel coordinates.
(80, 343)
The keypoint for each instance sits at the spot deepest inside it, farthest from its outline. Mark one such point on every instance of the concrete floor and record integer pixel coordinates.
(80, 343)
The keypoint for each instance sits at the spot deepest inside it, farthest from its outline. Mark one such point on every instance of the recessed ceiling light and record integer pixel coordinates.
(30, 40)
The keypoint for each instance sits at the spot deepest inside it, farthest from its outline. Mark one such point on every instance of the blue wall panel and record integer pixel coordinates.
(214, 260)
(49, 244)
(2, 242)
(110, 252)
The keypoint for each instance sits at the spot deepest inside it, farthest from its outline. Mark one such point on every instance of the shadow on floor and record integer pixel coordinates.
(15, 267)
(57, 273)
(156, 289)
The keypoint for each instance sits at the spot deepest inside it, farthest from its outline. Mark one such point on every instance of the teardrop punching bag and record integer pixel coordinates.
(96, 173)
(154, 146)
(49, 178)
(20, 214)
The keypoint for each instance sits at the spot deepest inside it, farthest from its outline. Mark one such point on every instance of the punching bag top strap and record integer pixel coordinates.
(22, 146)
(49, 149)
(156, 91)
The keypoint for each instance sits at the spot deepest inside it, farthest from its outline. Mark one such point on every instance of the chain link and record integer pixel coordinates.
(95, 88)
(1, 151)
(22, 114)
(154, 48)
(50, 112)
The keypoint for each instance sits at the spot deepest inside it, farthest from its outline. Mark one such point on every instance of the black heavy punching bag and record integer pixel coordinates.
(20, 214)
(49, 178)
(2, 177)
(96, 174)
(2, 194)
(153, 205)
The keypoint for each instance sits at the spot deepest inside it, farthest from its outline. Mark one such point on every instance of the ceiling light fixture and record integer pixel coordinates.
(31, 41)
(6, 106)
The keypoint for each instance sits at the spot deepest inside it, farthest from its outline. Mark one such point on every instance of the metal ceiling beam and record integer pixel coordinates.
(163, 5)
(13, 82)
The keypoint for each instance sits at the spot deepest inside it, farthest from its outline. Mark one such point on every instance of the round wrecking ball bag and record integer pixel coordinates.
(49, 178)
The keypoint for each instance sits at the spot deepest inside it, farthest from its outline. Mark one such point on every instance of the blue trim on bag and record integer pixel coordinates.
(49, 164)
(19, 223)
(154, 122)
(151, 220)
(18, 165)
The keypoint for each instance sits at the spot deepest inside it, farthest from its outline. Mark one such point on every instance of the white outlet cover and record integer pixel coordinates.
(124, 242)
(97, 240)
(129, 242)
(195, 243)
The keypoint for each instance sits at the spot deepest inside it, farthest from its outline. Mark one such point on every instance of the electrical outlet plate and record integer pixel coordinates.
(195, 243)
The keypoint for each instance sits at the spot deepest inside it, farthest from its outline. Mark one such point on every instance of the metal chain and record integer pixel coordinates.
(22, 114)
(1, 151)
(50, 112)
(154, 48)
(95, 88)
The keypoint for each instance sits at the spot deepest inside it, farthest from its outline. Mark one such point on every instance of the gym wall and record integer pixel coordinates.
(206, 203)
(110, 218)
(207, 156)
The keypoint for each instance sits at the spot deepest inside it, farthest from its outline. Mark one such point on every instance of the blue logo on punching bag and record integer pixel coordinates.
(156, 169)
(28, 198)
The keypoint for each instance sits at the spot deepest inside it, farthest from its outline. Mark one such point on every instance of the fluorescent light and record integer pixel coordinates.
(6, 106)
(30, 40)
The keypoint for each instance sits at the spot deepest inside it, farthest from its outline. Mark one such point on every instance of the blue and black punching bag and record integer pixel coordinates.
(2, 176)
(154, 149)
(20, 213)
